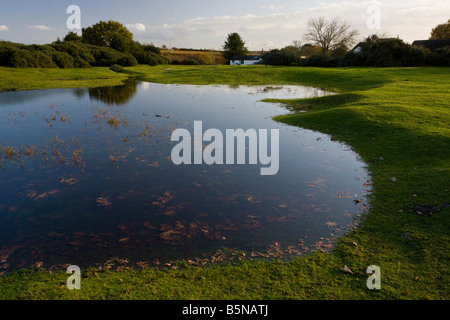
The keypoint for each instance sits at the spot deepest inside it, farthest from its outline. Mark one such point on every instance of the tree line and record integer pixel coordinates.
(102, 45)
(329, 44)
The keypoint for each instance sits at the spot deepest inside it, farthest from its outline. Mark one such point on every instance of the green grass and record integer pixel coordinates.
(398, 120)
(14, 79)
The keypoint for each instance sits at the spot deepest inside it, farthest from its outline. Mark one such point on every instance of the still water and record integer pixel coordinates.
(86, 178)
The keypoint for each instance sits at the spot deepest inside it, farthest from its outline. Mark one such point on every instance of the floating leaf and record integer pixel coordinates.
(142, 264)
(103, 202)
(69, 182)
(171, 212)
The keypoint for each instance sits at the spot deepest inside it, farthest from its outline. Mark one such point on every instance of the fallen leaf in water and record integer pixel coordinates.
(142, 264)
(32, 194)
(69, 182)
(170, 212)
(46, 194)
(165, 227)
(148, 225)
(179, 225)
(281, 219)
(331, 224)
(103, 202)
(167, 235)
(156, 262)
(155, 164)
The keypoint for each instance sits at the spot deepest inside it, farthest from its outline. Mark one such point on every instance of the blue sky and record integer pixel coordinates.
(203, 24)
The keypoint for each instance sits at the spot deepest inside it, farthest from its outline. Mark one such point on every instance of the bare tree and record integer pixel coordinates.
(330, 34)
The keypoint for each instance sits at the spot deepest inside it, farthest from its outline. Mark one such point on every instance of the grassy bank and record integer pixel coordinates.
(398, 120)
(14, 79)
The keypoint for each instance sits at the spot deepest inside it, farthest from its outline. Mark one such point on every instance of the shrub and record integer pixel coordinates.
(126, 61)
(320, 60)
(191, 62)
(43, 59)
(148, 57)
(80, 63)
(204, 58)
(151, 48)
(22, 59)
(389, 53)
(283, 57)
(74, 54)
(7, 49)
(116, 68)
(76, 49)
(63, 60)
(441, 57)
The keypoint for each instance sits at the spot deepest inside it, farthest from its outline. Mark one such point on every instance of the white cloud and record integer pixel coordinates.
(40, 27)
(136, 27)
(3, 28)
(411, 20)
(272, 7)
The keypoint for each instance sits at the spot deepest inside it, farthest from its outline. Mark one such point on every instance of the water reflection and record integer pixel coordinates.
(89, 181)
(111, 95)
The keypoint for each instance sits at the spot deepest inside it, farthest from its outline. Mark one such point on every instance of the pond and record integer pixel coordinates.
(86, 178)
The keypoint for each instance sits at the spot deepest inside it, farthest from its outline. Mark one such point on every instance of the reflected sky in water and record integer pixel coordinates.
(86, 177)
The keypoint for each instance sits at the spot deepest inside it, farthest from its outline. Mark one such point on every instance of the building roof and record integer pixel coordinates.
(432, 44)
(254, 58)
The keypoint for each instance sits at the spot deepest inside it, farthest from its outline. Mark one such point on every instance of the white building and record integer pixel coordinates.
(245, 60)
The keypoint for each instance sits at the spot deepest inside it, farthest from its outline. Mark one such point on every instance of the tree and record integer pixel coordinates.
(109, 34)
(441, 31)
(234, 45)
(72, 36)
(330, 34)
(309, 50)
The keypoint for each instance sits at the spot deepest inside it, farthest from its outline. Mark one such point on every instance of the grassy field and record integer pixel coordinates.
(397, 119)
(12, 79)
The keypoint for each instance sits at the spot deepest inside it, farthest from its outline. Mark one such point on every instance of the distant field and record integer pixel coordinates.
(210, 57)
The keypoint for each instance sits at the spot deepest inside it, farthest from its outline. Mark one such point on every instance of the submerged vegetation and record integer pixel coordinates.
(397, 119)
